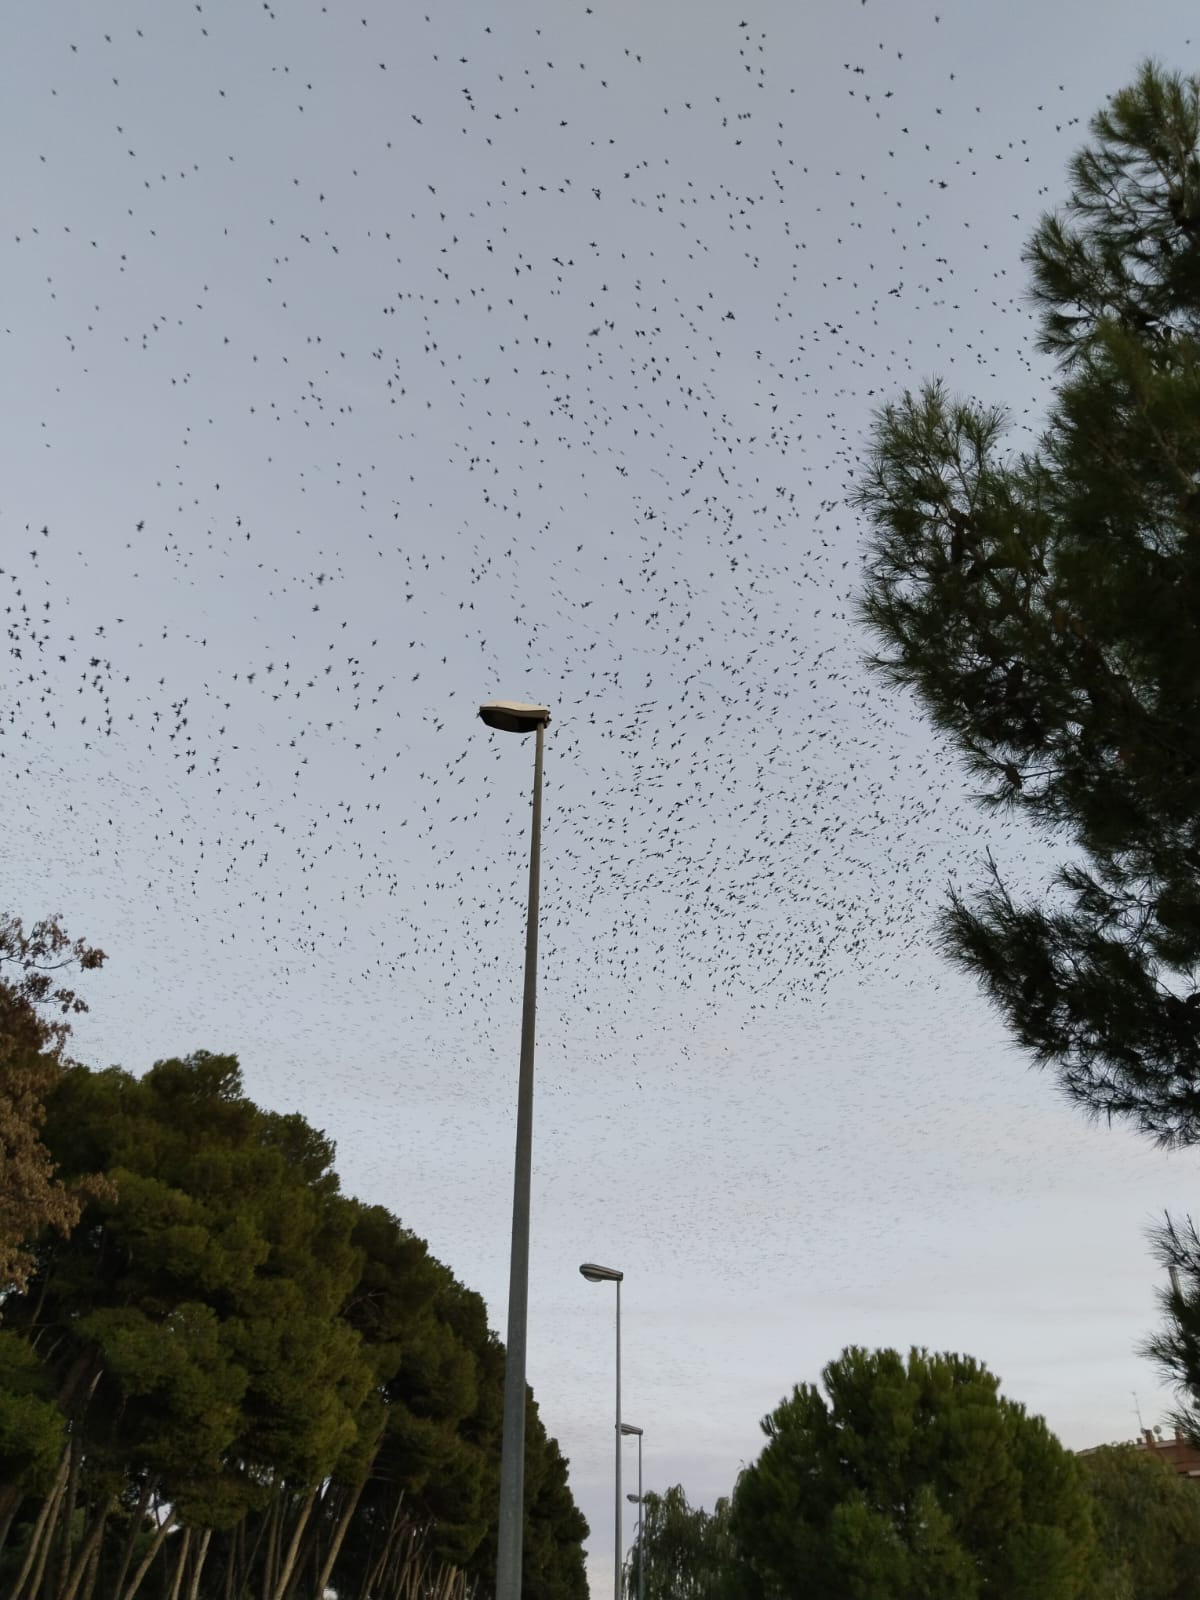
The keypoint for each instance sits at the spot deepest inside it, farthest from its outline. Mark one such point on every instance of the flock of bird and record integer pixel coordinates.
(364, 366)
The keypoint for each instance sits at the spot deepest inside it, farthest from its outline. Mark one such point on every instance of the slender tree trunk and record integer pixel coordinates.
(39, 1571)
(308, 1552)
(90, 1544)
(271, 1552)
(139, 1516)
(40, 1532)
(233, 1560)
(198, 1566)
(148, 1559)
(293, 1549)
(74, 1377)
(408, 1565)
(339, 1534)
(398, 1579)
(68, 1517)
(45, 1285)
(185, 1544)
(247, 1562)
(385, 1555)
(11, 1496)
(368, 1561)
(234, 1575)
(93, 1572)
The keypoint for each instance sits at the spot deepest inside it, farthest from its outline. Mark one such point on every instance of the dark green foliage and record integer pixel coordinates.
(230, 1339)
(689, 1553)
(1147, 1521)
(1176, 1348)
(912, 1478)
(553, 1566)
(32, 1428)
(35, 1002)
(1045, 609)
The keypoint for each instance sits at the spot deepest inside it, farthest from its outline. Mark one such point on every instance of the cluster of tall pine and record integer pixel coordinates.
(222, 1377)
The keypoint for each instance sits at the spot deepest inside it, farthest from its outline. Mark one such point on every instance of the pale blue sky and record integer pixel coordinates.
(528, 352)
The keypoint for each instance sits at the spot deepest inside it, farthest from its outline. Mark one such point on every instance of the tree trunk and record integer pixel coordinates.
(406, 1572)
(139, 1516)
(74, 1377)
(339, 1534)
(308, 1551)
(444, 1581)
(89, 1546)
(395, 1531)
(11, 1496)
(293, 1549)
(40, 1532)
(399, 1580)
(198, 1566)
(148, 1558)
(247, 1562)
(237, 1550)
(185, 1544)
(68, 1516)
(271, 1552)
(93, 1572)
(39, 1571)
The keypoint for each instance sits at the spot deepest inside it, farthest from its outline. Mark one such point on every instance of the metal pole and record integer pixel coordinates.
(512, 1450)
(641, 1529)
(618, 1560)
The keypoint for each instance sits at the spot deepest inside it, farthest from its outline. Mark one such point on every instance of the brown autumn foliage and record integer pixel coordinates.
(35, 1006)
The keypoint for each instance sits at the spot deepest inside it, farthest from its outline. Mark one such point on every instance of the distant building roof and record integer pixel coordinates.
(1179, 1453)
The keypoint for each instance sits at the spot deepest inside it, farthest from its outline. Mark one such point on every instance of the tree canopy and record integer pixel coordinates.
(35, 1007)
(689, 1553)
(1045, 609)
(912, 1477)
(236, 1376)
(1147, 1522)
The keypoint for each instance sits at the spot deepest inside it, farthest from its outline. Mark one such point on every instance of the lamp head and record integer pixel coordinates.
(514, 716)
(595, 1274)
(628, 1427)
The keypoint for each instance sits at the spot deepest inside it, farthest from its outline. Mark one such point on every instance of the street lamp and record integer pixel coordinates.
(512, 716)
(595, 1274)
(628, 1428)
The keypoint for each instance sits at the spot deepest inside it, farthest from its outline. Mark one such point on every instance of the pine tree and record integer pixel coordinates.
(232, 1373)
(1147, 1521)
(1045, 609)
(912, 1476)
(35, 1004)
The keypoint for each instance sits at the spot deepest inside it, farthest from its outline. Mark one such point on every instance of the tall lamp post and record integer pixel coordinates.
(595, 1274)
(628, 1428)
(511, 716)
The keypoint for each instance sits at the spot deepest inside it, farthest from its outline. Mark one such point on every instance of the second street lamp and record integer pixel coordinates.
(511, 716)
(628, 1428)
(595, 1274)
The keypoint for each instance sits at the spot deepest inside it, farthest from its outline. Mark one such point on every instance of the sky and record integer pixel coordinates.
(362, 365)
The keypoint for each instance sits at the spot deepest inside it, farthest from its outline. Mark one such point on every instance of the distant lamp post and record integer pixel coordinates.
(638, 1499)
(595, 1274)
(512, 716)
